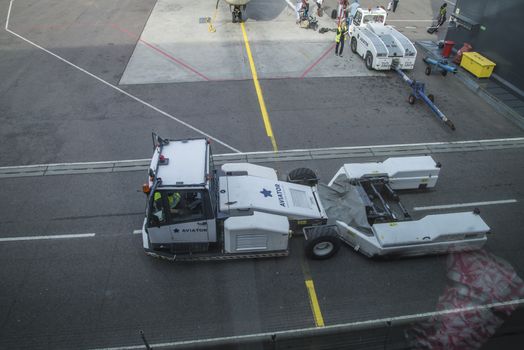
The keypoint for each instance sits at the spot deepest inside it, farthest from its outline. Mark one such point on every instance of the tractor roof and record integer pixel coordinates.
(187, 163)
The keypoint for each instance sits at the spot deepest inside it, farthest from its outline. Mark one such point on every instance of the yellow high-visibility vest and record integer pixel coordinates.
(173, 199)
(340, 30)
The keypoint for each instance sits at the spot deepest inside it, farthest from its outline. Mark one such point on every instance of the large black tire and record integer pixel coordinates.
(322, 243)
(428, 70)
(369, 60)
(353, 45)
(412, 99)
(334, 14)
(303, 176)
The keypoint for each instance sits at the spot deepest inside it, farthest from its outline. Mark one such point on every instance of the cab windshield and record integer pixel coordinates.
(374, 19)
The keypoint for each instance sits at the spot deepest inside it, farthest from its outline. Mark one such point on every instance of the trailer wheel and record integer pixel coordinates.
(322, 243)
(303, 176)
(353, 45)
(444, 73)
(334, 14)
(428, 70)
(369, 60)
(411, 99)
(431, 98)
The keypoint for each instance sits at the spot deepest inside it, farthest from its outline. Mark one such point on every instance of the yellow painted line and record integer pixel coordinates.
(262, 104)
(315, 307)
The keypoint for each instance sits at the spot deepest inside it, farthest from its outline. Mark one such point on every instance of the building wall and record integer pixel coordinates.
(500, 37)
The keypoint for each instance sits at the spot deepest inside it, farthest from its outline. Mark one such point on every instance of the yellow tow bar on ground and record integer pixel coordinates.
(210, 20)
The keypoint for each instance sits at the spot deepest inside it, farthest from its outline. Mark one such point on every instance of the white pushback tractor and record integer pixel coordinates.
(240, 210)
(381, 46)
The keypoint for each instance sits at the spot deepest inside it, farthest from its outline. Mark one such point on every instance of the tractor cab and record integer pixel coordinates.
(363, 17)
(181, 204)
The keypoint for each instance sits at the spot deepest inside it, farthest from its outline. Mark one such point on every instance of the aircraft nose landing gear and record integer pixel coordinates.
(236, 13)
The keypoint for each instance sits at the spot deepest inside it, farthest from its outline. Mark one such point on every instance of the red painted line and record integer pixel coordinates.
(317, 61)
(163, 53)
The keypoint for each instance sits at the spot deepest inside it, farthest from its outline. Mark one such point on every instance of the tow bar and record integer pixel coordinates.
(418, 93)
(441, 64)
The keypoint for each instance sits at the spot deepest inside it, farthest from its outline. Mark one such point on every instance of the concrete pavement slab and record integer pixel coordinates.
(175, 47)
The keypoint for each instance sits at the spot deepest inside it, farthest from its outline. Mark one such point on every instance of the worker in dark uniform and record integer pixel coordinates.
(395, 4)
(442, 14)
(340, 38)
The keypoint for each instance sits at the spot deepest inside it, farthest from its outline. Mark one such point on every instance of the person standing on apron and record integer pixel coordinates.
(395, 4)
(340, 38)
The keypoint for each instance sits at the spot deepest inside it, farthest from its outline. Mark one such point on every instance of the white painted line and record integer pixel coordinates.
(115, 87)
(409, 20)
(259, 153)
(410, 27)
(8, 15)
(86, 164)
(137, 232)
(461, 205)
(314, 330)
(34, 238)
(445, 143)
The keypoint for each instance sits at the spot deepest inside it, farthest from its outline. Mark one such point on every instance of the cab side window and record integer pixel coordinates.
(172, 207)
(158, 215)
(358, 17)
(185, 206)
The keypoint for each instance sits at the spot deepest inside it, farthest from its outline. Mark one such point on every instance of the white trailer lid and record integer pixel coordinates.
(242, 193)
(403, 172)
(394, 167)
(431, 229)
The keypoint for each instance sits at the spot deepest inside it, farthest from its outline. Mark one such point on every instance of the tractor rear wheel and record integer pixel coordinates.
(322, 243)
(369, 60)
(353, 45)
(303, 176)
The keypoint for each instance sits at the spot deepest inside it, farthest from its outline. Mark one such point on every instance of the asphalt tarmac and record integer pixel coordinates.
(98, 291)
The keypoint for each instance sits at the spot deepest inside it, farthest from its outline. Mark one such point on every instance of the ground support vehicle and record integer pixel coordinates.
(418, 92)
(441, 65)
(380, 45)
(240, 210)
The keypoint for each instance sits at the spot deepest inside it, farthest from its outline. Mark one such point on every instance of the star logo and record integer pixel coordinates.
(266, 193)
(176, 230)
